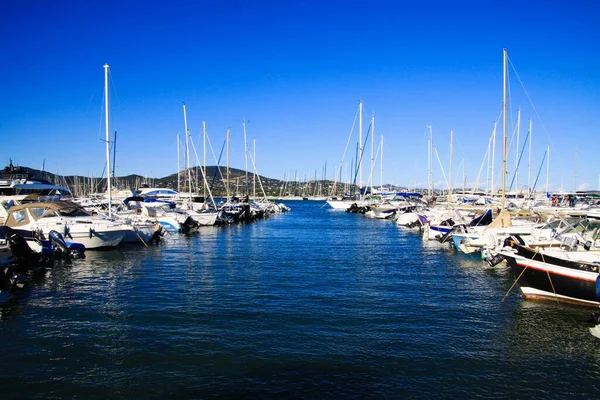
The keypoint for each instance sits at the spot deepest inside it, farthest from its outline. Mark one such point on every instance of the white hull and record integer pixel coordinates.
(139, 233)
(595, 331)
(339, 204)
(204, 219)
(93, 235)
(408, 219)
(536, 294)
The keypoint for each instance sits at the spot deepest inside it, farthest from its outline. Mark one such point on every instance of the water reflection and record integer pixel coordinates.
(311, 304)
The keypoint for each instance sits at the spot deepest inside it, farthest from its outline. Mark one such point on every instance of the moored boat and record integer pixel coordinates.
(563, 276)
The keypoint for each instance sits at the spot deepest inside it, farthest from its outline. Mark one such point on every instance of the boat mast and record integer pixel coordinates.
(530, 146)
(187, 150)
(371, 178)
(204, 170)
(430, 162)
(360, 148)
(114, 160)
(464, 176)
(227, 160)
(381, 166)
(450, 171)
(108, 183)
(517, 150)
(254, 174)
(178, 166)
(245, 153)
(548, 171)
(493, 159)
(504, 135)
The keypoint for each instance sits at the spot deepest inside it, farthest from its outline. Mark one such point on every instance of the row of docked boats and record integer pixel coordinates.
(552, 243)
(42, 221)
(552, 247)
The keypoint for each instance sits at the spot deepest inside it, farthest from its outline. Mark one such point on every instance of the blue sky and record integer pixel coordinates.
(296, 70)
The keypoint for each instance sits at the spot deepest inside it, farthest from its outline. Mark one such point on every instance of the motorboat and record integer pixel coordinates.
(69, 219)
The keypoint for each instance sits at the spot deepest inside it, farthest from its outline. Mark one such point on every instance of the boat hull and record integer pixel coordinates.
(554, 278)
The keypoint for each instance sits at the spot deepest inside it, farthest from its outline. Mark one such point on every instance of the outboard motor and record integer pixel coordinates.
(62, 249)
(446, 237)
(18, 246)
(58, 241)
(157, 232)
(494, 260)
(10, 280)
(190, 223)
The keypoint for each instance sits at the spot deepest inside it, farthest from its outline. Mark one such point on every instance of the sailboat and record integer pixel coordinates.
(135, 230)
(346, 201)
(476, 238)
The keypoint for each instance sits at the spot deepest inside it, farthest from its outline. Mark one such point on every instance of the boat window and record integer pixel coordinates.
(20, 216)
(72, 212)
(554, 224)
(37, 211)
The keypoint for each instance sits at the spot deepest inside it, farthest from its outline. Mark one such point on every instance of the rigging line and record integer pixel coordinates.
(101, 118)
(204, 180)
(441, 167)
(512, 138)
(219, 169)
(530, 101)
(485, 156)
(539, 170)
(218, 166)
(114, 91)
(360, 157)
(518, 162)
(346, 148)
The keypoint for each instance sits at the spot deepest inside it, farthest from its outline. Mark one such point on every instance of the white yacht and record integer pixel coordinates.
(70, 220)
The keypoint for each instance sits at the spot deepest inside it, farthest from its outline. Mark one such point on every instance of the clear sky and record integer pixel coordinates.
(297, 70)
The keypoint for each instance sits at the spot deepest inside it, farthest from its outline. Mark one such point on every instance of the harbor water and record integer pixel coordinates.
(307, 304)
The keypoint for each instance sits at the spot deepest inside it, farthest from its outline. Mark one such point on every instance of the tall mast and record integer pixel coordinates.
(108, 183)
(245, 153)
(450, 171)
(504, 136)
(372, 150)
(530, 146)
(114, 160)
(227, 160)
(517, 149)
(187, 150)
(381, 166)
(429, 162)
(360, 148)
(254, 174)
(548, 171)
(178, 166)
(204, 169)
(464, 176)
(493, 159)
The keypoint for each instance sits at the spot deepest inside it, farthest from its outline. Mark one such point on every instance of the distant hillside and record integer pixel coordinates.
(81, 185)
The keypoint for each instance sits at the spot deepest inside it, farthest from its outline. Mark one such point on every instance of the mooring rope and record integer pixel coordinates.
(519, 277)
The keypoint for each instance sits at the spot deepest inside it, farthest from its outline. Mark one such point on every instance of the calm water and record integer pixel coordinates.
(309, 304)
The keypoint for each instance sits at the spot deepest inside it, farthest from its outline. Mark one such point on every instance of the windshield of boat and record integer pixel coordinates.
(72, 212)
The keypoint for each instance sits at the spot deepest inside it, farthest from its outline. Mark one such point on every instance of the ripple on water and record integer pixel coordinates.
(312, 304)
